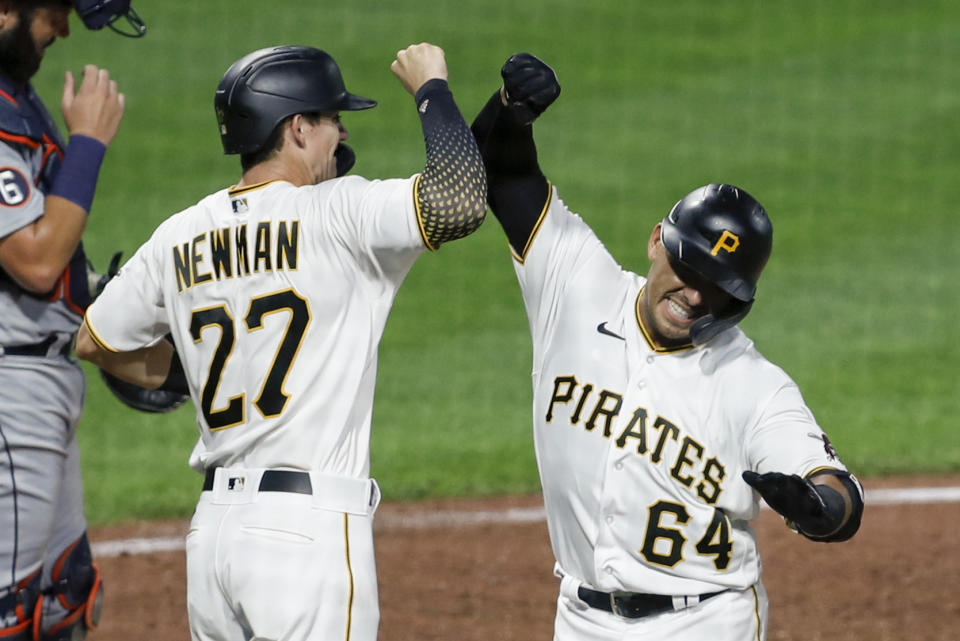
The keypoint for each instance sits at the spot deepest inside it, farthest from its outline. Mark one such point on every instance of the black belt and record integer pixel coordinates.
(631, 605)
(272, 481)
(37, 349)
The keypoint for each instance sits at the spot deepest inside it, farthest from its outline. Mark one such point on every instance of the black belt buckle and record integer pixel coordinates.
(630, 605)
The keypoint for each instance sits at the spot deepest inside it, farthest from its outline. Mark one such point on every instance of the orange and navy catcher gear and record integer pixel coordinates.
(26, 127)
(77, 590)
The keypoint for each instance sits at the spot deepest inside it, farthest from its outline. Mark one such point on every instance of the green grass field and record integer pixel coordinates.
(839, 115)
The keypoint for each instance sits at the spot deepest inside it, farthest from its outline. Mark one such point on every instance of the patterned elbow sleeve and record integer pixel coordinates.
(451, 192)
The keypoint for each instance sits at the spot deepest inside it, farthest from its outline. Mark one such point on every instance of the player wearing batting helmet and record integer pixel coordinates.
(49, 585)
(276, 292)
(657, 423)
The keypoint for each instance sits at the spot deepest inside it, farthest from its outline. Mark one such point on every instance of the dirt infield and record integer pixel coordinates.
(898, 579)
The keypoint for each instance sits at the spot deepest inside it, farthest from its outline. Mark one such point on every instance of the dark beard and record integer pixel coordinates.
(19, 58)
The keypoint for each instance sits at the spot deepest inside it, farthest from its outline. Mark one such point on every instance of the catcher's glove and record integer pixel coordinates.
(141, 398)
(529, 86)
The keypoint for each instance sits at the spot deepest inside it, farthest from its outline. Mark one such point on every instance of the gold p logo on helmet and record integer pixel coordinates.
(729, 242)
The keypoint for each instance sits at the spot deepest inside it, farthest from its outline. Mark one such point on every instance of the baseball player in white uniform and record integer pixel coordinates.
(276, 292)
(657, 423)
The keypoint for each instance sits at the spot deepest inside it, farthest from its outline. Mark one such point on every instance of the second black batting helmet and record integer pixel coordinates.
(261, 89)
(722, 233)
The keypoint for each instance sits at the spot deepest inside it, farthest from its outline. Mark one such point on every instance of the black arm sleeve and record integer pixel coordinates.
(518, 190)
(451, 192)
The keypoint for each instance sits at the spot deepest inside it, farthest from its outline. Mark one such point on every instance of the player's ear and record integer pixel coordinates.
(653, 241)
(295, 127)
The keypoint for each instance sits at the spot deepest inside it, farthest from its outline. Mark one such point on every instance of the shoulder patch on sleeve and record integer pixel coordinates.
(14, 187)
(827, 445)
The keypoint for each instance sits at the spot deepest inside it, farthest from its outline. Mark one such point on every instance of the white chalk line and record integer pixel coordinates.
(419, 520)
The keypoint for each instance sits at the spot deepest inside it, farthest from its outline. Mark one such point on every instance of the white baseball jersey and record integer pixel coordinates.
(276, 297)
(641, 450)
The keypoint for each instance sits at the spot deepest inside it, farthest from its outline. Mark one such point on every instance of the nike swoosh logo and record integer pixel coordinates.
(602, 328)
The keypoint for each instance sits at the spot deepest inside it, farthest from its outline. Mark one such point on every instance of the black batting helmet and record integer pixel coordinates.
(97, 14)
(261, 89)
(722, 233)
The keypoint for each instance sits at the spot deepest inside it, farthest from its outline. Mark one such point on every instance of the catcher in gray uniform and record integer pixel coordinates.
(49, 586)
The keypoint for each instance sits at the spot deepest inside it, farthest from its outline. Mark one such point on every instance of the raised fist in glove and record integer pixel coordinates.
(529, 86)
(814, 510)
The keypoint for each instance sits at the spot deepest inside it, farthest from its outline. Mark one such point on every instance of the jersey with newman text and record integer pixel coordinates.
(276, 297)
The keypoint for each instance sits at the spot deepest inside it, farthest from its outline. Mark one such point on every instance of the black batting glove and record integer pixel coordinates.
(814, 511)
(529, 86)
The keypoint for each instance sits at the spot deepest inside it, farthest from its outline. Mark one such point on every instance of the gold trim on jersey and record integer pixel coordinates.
(646, 334)
(820, 470)
(536, 228)
(756, 612)
(346, 541)
(96, 338)
(418, 212)
(236, 191)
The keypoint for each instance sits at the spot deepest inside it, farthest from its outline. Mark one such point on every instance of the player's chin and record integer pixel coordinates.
(677, 335)
(673, 333)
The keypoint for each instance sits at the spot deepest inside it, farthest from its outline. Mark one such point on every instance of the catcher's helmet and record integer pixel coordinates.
(97, 14)
(261, 89)
(722, 233)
